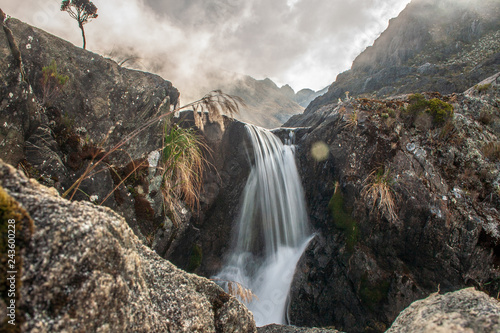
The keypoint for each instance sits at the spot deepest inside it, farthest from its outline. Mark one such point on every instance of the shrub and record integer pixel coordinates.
(52, 83)
(483, 87)
(439, 110)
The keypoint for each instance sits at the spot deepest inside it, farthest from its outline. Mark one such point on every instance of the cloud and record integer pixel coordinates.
(304, 43)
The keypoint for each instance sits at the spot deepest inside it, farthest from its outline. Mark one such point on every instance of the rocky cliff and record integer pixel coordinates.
(405, 196)
(444, 46)
(55, 134)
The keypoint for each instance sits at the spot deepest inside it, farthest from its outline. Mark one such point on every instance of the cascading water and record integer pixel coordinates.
(272, 230)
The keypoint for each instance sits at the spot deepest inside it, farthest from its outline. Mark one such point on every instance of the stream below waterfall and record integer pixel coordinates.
(272, 230)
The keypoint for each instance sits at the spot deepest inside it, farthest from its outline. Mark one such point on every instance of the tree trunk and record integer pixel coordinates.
(83, 36)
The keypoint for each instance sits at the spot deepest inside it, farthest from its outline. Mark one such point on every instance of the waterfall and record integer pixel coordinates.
(272, 230)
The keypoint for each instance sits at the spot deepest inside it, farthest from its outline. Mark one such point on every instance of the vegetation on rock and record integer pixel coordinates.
(342, 219)
(378, 190)
(52, 83)
(439, 110)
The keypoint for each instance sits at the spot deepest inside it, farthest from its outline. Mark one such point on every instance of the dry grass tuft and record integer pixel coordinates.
(492, 151)
(352, 120)
(215, 103)
(378, 188)
(183, 163)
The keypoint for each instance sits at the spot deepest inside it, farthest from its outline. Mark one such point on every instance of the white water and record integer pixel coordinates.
(272, 230)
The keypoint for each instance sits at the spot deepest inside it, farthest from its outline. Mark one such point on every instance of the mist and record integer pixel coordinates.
(197, 44)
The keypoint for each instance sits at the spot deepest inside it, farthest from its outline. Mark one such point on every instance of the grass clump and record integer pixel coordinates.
(378, 189)
(439, 110)
(342, 219)
(352, 119)
(183, 162)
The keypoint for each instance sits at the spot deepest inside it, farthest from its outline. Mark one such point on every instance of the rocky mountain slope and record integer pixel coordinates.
(444, 46)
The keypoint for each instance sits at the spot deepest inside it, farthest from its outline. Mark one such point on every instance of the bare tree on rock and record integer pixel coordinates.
(82, 11)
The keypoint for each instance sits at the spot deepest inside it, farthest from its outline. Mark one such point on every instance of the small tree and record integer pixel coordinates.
(82, 11)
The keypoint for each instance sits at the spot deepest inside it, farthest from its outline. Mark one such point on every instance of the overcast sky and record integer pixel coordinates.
(304, 43)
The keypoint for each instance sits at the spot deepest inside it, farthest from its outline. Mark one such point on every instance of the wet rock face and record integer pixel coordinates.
(372, 257)
(466, 310)
(210, 232)
(84, 269)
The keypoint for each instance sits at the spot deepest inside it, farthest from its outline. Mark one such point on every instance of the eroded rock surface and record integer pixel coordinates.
(85, 270)
(369, 261)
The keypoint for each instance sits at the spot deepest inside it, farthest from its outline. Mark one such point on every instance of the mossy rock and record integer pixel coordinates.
(343, 219)
(17, 223)
(195, 258)
(373, 293)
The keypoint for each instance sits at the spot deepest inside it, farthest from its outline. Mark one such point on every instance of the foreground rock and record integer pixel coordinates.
(466, 310)
(293, 329)
(85, 270)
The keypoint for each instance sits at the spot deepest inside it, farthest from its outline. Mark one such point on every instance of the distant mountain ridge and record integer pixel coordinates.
(444, 46)
(267, 105)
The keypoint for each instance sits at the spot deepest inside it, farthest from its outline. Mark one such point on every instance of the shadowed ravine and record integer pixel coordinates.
(272, 230)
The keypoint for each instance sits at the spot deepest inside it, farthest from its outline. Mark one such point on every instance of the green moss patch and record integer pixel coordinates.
(195, 258)
(343, 220)
(373, 293)
(16, 228)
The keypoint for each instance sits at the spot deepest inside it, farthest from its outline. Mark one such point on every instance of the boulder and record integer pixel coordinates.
(274, 328)
(83, 269)
(462, 311)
